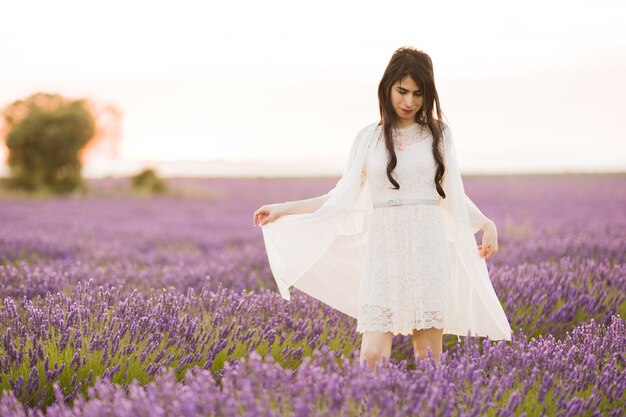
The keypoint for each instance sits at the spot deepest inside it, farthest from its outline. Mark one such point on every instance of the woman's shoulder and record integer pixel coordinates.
(366, 131)
(369, 127)
(360, 138)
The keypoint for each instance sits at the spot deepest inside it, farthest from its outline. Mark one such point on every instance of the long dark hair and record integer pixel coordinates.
(418, 65)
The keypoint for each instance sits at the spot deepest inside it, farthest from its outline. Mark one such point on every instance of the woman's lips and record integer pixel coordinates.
(407, 111)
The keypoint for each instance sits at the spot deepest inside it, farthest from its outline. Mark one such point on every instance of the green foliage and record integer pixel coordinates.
(148, 182)
(45, 134)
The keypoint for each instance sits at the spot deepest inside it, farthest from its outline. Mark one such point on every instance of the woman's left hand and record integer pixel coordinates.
(490, 241)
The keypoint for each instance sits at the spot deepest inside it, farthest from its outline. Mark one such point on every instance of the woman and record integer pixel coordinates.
(391, 244)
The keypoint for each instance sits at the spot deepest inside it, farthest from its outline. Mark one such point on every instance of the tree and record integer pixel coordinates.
(148, 181)
(45, 134)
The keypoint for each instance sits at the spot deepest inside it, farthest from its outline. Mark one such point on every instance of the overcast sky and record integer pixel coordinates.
(281, 87)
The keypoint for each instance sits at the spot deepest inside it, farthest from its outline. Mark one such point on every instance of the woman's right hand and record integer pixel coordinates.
(268, 213)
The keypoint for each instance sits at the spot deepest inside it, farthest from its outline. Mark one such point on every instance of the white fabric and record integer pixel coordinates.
(407, 276)
(323, 253)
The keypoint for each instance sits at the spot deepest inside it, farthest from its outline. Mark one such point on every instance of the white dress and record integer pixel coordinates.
(407, 273)
(323, 253)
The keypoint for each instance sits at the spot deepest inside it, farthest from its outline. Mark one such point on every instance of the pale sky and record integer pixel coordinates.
(281, 87)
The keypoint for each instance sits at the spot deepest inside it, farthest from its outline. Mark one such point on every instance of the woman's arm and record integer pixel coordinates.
(303, 206)
(268, 213)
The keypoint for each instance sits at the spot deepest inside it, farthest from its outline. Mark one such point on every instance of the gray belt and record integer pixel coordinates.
(400, 201)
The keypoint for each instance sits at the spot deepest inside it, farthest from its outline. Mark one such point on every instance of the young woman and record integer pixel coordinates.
(401, 204)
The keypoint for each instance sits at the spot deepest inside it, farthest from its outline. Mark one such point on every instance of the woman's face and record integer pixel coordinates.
(406, 98)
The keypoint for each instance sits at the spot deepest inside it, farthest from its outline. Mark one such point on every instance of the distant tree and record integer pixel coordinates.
(148, 181)
(45, 134)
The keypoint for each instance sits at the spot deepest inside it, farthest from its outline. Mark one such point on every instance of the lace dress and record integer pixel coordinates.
(407, 273)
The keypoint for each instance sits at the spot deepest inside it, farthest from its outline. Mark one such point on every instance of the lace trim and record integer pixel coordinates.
(409, 135)
(377, 318)
(412, 125)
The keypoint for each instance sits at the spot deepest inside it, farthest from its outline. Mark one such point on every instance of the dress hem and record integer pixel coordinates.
(395, 331)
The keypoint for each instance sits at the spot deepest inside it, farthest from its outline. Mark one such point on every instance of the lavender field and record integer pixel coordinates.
(115, 305)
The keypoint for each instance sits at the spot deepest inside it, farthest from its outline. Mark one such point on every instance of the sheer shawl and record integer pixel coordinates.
(322, 253)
